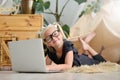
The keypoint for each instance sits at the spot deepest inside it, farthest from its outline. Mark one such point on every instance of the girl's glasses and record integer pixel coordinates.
(50, 37)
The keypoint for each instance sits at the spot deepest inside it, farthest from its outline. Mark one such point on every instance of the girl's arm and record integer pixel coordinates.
(61, 67)
(48, 60)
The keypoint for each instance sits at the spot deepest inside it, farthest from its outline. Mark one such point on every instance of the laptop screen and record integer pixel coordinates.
(27, 55)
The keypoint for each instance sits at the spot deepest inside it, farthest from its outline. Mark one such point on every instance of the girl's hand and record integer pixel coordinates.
(47, 67)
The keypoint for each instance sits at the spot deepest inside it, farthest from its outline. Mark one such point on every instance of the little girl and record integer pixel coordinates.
(61, 53)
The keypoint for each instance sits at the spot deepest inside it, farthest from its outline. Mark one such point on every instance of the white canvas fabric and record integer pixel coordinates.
(106, 24)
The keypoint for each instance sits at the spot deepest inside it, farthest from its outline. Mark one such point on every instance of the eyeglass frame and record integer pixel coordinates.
(51, 36)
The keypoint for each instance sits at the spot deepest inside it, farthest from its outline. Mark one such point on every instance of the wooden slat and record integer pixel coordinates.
(27, 28)
(5, 48)
(18, 34)
(21, 22)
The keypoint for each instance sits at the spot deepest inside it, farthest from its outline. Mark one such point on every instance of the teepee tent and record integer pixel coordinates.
(106, 24)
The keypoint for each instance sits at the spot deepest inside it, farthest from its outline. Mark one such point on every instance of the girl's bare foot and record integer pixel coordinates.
(84, 44)
(89, 37)
(85, 48)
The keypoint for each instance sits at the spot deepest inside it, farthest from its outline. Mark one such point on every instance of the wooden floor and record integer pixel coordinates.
(9, 75)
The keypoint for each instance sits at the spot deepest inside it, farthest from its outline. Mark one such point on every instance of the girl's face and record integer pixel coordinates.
(53, 37)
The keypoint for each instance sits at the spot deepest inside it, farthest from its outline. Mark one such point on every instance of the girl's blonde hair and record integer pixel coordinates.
(56, 25)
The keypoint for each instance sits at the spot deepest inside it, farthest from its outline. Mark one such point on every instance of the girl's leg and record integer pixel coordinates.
(87, 39)
(88, 48)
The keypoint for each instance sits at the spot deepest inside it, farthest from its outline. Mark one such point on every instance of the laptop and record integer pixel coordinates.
(27, 56)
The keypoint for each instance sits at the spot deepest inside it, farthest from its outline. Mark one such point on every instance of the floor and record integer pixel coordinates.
(10, 75)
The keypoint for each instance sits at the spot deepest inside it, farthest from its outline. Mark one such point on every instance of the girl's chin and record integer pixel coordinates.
(57, 44)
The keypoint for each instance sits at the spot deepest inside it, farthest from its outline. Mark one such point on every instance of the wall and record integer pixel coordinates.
(71, 11)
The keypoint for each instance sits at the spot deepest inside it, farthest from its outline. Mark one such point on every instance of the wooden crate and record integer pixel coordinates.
(17, 27)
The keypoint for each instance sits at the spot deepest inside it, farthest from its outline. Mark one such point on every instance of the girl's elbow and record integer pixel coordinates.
(69, 66)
